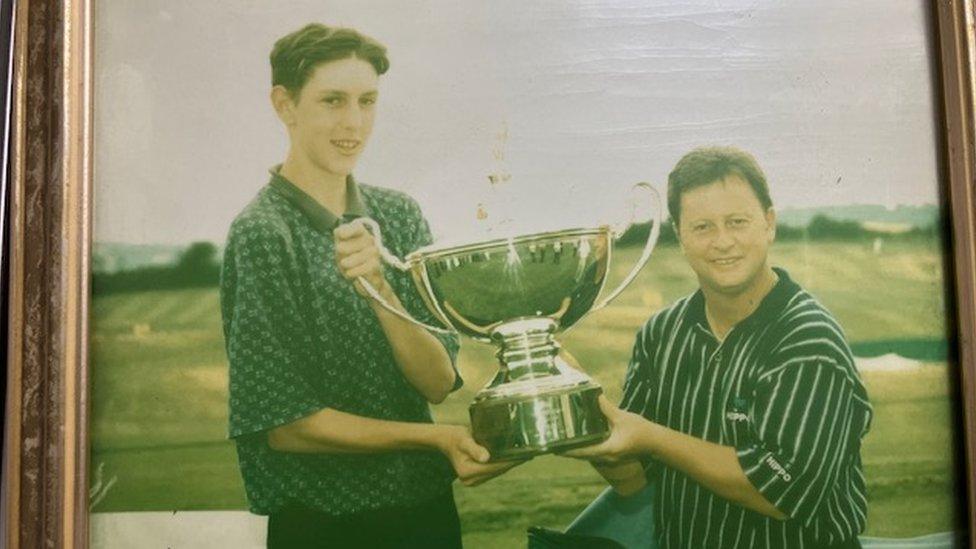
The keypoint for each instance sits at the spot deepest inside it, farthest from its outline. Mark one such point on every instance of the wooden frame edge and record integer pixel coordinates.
(956, 46)
(15, 341)
(76, 233)
(51, 216)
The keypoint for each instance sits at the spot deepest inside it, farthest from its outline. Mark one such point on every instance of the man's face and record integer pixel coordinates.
(725, 234)
(333, 116)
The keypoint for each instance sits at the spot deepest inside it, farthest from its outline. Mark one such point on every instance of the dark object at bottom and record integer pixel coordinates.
(610, 521)
(546, 538)
(431, 525)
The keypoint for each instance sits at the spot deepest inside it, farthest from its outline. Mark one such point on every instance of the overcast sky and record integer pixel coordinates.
(835, 98)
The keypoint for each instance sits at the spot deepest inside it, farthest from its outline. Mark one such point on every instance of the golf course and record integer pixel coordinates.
(159, 392)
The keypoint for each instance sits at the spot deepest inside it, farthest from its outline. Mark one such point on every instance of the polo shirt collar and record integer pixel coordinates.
(320, 217)
(774, 301)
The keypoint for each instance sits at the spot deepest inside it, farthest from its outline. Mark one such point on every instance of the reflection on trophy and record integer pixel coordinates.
(517, 293)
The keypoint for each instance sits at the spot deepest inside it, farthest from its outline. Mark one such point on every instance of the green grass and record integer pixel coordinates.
(159, 408)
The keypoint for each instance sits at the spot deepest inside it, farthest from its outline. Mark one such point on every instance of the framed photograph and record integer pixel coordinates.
(174, 252)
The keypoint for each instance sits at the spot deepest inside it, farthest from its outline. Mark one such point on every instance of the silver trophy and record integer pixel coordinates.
(517, 293)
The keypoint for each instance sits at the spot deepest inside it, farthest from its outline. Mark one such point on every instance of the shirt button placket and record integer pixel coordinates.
(716, 358)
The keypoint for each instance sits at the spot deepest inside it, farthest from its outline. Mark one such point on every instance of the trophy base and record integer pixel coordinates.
(525, 419)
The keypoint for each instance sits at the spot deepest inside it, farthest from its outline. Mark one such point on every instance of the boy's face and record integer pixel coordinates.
(332, 118)
(725, 234)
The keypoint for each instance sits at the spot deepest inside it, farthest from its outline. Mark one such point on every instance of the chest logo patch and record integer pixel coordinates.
(737, 410)
(736, 416)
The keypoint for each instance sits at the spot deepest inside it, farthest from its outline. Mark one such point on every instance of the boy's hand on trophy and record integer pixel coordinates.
(358, 256)
(469, 459)
(628, 434)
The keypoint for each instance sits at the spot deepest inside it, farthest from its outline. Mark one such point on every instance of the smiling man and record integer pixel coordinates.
(329, 391)
(741, 402)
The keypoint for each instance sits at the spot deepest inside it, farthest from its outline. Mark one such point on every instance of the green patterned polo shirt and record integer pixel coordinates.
(299, 339)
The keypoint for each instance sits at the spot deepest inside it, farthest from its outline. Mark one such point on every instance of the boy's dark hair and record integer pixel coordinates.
(706, 165)
(296, 55)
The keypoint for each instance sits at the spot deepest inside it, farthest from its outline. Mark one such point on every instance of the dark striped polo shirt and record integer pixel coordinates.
(781, 389)
(299, 339)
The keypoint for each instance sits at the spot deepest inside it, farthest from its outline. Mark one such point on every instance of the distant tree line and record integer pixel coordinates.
(197, 267)
(820, 228)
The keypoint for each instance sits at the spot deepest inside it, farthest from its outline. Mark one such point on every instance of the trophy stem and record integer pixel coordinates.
(536, 403)
(526, 349)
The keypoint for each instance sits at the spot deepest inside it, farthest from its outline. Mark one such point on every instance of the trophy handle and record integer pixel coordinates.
(394, 261)
(657, 215)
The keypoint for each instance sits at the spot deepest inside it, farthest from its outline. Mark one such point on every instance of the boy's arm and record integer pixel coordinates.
(332, 431)
(421, 356)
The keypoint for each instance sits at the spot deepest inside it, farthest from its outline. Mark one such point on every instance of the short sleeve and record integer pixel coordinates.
(807, 423)
(640, 390)
(638, 385)
(420, 236)
(266, 345)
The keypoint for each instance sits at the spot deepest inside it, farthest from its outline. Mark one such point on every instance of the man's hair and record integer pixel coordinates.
(706, 165)
(296, 55)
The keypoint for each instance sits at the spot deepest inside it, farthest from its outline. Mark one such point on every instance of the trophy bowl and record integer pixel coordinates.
(517, 293)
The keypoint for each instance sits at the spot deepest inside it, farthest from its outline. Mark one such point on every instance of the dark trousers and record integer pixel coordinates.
(433, 525)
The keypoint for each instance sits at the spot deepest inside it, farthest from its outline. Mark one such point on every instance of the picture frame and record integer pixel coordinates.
(46, 468)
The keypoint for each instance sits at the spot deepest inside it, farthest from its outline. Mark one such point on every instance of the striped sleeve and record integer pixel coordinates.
(637, 383)
(640, 388)
(803, 432)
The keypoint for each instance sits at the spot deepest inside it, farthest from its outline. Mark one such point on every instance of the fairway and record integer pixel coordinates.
(159, 393)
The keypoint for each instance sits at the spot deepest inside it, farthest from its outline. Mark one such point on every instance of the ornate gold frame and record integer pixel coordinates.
(46, 460)
(46, 468)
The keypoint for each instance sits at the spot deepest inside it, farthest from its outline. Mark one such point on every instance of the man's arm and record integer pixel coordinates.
(713, 466)
(806, 421)
(333, 431)
(628, 477)
(420, 356)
